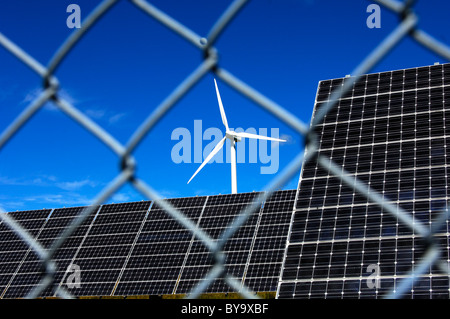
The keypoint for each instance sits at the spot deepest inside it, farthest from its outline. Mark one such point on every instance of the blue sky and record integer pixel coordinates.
(128, 63)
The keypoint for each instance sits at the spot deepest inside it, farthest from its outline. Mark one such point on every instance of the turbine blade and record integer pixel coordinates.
(211, 155)
(261, 137)
(222, 111)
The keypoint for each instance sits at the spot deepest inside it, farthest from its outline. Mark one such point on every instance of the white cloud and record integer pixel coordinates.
(31, 95)
(12, 205)
(4, 180)
(52, 192)
(105, 115)
(75, 185)
(51, 200)
(47, 181)
(95, 113)
(116, 118)
(120, 197)
(165, 193)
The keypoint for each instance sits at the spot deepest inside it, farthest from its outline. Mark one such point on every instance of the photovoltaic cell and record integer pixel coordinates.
(390, 132)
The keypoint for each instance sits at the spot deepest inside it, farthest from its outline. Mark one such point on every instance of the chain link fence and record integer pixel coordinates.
(408, 26)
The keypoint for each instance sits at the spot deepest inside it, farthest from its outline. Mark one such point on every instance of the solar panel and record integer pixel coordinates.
(138, 248)
(169, 259)
(268, 246)
(161, 248)
(390, 131)
(218, 214)
(104, 250)
(30, 272)
(13, 251)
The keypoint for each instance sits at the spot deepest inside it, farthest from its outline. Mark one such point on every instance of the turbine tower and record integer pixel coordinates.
(234, 137)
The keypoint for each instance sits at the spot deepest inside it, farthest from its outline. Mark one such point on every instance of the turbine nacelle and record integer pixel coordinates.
(232, 135)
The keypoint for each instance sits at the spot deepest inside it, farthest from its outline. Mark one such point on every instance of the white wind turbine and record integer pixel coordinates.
(234, 137)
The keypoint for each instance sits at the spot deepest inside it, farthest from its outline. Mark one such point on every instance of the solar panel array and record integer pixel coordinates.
(391, 132)
(138, 249)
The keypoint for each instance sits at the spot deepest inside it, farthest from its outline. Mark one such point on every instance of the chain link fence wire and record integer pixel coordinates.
(408, 26)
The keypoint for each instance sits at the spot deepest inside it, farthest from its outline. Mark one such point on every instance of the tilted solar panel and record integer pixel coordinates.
(390, 132)
(13, 251)
(103, 252)
(264, 265)
(217, 215)
(139, 249)
(30, 273)
(156, 259)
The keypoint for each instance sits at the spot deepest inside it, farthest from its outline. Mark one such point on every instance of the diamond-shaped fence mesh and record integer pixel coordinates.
(407, 27)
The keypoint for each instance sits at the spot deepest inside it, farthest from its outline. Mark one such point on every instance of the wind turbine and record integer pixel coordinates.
(234, 137)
